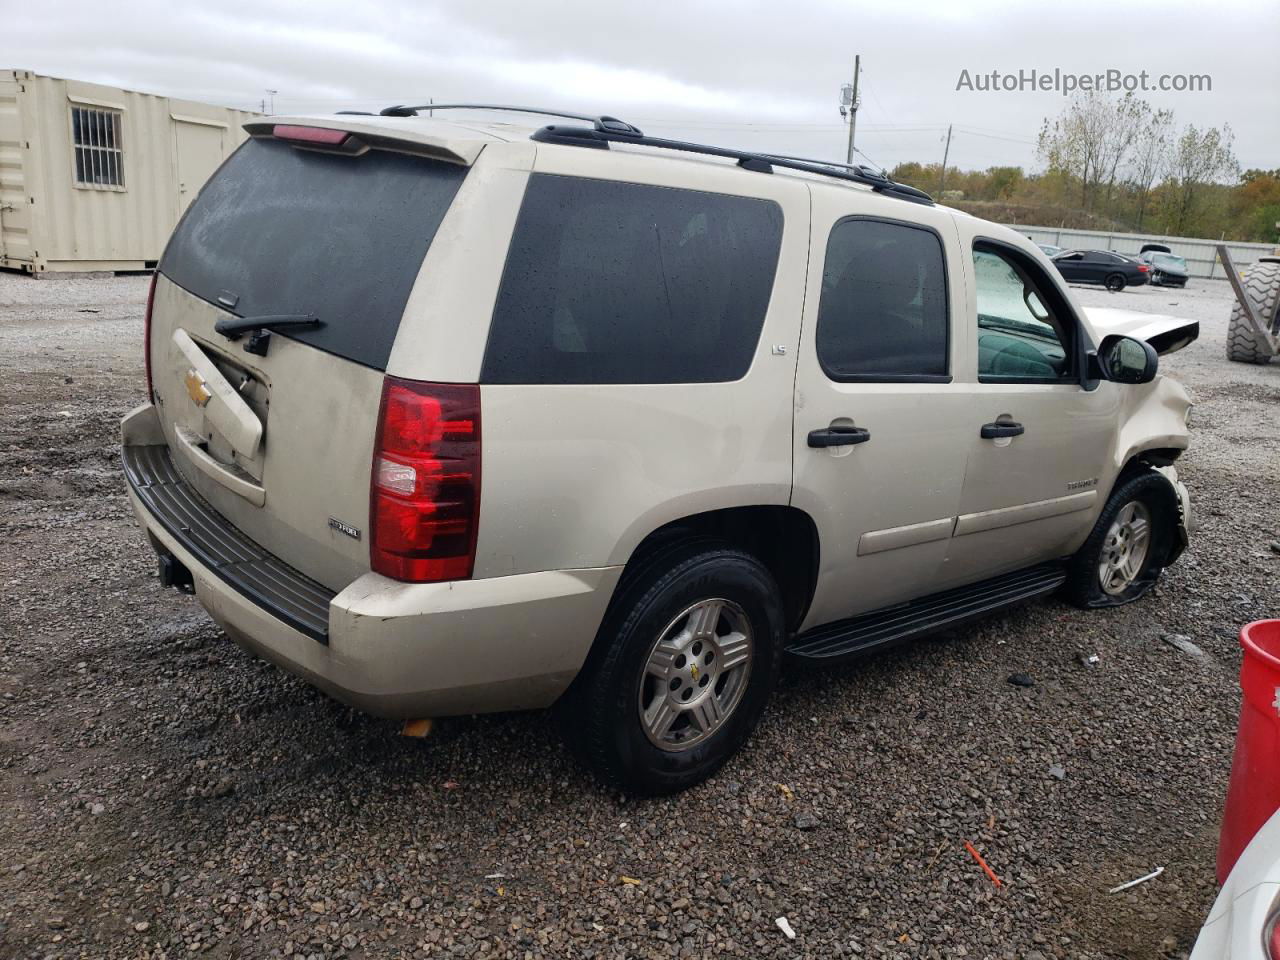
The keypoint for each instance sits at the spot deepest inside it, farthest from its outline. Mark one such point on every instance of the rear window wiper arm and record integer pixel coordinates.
(233, 327)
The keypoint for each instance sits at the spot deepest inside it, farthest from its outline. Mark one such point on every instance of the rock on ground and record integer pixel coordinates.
(165, 794)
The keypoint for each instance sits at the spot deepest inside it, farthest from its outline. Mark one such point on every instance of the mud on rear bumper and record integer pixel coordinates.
(389, 648)
(220, 548)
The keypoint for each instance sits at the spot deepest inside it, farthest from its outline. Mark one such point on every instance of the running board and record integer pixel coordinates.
(926, 615)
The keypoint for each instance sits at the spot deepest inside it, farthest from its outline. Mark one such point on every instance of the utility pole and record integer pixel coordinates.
(946, 150)
(853, 108)
(271, 103)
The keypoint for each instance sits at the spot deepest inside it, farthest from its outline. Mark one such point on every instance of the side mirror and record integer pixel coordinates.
(1126, 360)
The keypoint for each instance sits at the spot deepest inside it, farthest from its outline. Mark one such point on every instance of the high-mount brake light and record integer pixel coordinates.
(425, 488)
(320, 136)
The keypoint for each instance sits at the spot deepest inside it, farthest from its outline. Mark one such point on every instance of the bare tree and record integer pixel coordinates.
(1150, 157)
(1092, 140)
(1199, 157)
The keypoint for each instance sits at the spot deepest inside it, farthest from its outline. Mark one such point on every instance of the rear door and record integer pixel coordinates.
(277, 432)
(879, 435)
(1072, 266)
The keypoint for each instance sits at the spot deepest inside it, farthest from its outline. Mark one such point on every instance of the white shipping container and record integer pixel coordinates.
(94, 177)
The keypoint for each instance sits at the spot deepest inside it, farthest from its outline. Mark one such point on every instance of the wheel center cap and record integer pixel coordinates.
(693, 671)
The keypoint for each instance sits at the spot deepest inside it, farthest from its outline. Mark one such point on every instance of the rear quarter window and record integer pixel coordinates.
(609, 282)
(279, 230)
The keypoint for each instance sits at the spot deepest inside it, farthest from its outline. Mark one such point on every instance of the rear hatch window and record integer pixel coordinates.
(282, 230)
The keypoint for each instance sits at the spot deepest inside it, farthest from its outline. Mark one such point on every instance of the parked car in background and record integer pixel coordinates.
(1049, 249)
(448, 419)
(1114, 271)
(1167, 269)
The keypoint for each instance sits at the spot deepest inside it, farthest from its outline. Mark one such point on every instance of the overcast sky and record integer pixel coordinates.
(742, 73)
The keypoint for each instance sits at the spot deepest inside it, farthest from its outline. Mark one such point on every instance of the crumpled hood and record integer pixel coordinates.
(1166, 334)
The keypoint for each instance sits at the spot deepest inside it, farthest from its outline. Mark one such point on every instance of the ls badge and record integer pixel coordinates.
(348, 529)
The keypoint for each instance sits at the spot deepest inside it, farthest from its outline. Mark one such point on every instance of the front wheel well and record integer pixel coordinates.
(783, 538)
(1152, 460)
(1146, 459)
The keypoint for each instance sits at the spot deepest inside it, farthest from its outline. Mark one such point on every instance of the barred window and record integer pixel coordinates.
(95, 135)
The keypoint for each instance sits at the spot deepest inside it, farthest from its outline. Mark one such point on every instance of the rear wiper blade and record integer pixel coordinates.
(233, 327)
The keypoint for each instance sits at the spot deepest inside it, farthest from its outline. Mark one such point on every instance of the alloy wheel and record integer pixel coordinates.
(1124, 550)
(696, 674)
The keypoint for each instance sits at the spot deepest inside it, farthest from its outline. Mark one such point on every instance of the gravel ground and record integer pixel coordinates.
(164, 794)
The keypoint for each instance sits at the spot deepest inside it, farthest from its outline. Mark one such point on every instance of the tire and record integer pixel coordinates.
(604, 716)
(1262, 287)
(1141, 495)
(1114, 282)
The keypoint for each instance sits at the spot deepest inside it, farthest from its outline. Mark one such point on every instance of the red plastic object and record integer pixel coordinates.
(146, 331)
(1254, 793)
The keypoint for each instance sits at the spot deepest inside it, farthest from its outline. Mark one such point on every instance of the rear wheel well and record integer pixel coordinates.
(784, 539)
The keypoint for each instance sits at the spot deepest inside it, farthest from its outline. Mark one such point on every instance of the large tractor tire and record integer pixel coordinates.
(1262, 286)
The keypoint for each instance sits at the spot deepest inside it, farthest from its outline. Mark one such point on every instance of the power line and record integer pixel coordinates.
(992, 136)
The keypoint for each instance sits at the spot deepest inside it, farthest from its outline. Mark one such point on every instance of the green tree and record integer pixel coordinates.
(1091, 140)
(1200, 158)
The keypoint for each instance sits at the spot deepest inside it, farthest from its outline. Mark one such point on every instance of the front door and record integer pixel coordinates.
(1038, 440)
(879, 430)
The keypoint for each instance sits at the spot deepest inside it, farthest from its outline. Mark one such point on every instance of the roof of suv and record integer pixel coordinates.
(462, 141)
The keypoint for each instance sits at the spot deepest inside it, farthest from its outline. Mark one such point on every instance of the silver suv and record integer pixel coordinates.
(452, 417)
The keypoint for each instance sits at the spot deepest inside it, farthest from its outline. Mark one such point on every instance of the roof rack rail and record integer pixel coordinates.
(600, 124)
(605, 130)
(598, 138)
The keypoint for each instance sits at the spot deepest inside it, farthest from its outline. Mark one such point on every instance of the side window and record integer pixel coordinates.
(99, 151)
(883, 312)
(1019, 336)
(610, 282)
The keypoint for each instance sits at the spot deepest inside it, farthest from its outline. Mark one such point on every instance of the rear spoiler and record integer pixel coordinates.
(1166, 334)
(363, 135)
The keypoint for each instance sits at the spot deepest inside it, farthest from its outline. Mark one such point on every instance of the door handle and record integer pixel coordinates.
(838, 435)
(1002, 428)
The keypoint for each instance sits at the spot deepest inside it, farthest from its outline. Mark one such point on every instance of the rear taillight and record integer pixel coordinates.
(425, 501)
(146, 331)
(1143, 268)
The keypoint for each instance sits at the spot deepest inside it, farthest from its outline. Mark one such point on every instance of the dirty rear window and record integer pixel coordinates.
(280, 230)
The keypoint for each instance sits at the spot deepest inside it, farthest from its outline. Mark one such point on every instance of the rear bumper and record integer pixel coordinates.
(390, 648)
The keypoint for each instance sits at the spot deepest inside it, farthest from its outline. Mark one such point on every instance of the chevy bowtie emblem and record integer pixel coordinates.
(693, 671)
(197, 388)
